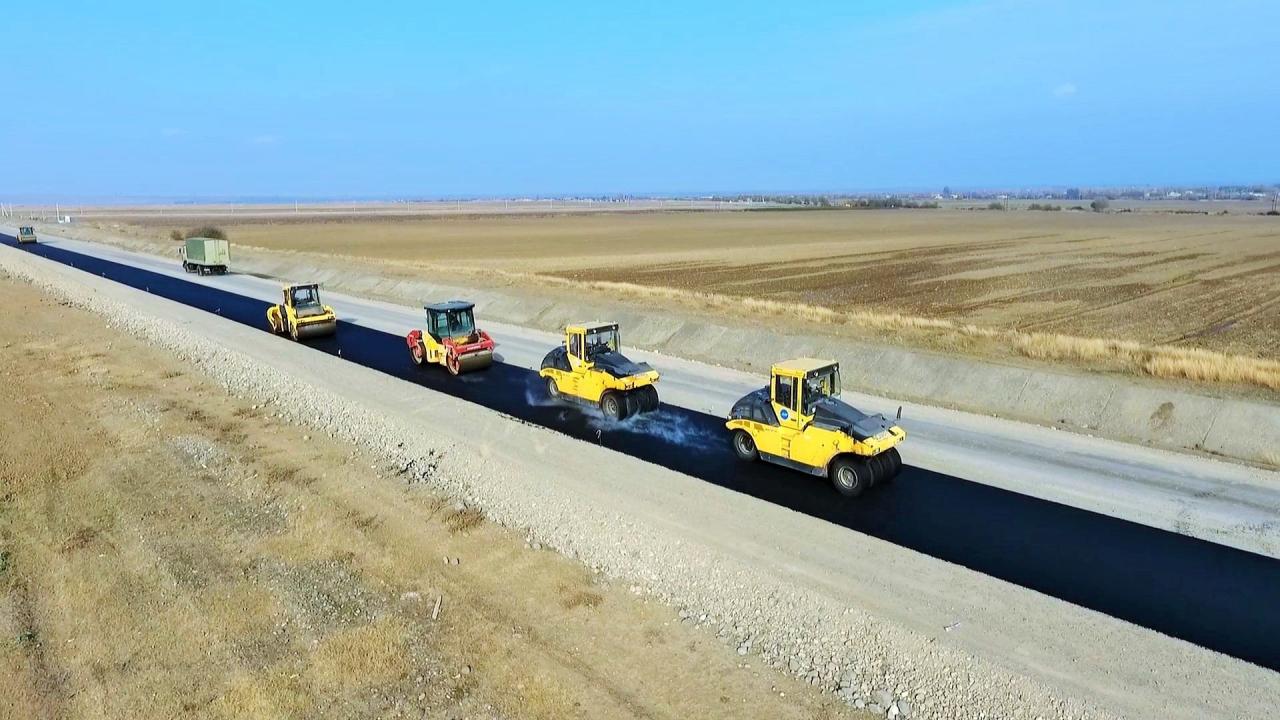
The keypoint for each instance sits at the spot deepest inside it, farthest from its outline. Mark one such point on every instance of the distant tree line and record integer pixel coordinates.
(208, 231)
(829, 202)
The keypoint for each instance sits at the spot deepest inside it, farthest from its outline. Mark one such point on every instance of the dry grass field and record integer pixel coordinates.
(169, 551)
(1159, 293)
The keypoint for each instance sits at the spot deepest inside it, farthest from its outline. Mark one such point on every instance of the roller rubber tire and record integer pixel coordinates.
(850, 476)
(553, 390)
(879, 466)
(648, 398)
(612, 406)
(893, 464)
(744, 446)
(451, 362)
(416, 352)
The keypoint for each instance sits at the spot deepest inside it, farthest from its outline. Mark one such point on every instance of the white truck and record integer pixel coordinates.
(205, 256)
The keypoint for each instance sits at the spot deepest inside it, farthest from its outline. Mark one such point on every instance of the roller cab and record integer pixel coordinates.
(301, 315)
(451, 339)
(26, 234)
(590, 368)
(799, 422)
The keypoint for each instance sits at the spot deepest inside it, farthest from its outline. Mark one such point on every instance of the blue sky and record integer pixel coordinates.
(461, 99)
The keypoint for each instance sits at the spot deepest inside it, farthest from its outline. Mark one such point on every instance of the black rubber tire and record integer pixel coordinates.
(613, 406)
(744, 446)
(879, 466)
(894, 460)
(648, 398)
(850, 476)
(553, 390)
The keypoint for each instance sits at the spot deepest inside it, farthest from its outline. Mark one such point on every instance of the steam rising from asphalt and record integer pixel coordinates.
(675, 428)
(672, 427)
(535, 392)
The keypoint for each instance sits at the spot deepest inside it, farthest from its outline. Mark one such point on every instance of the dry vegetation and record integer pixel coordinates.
(1159, 294)
(167, 551)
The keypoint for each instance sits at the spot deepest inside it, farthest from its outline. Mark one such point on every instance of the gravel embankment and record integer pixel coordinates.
(870, 663)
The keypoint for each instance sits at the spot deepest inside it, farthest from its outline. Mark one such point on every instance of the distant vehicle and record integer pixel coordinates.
(26, 234)
(205, 256)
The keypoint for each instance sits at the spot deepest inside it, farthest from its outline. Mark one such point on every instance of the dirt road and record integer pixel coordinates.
(167, 550)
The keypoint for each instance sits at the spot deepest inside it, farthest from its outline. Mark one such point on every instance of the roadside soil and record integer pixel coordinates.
(168, 550)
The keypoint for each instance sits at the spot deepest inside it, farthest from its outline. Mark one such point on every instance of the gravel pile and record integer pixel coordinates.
(868, 662)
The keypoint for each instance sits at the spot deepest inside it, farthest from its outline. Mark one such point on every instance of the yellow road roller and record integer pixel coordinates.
(302, 315)
(799, 422)
(590, 368)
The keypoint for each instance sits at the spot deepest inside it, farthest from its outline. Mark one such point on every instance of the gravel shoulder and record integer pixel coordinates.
(852, 615)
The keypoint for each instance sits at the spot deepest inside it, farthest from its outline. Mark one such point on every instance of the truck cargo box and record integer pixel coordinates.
(206, 255)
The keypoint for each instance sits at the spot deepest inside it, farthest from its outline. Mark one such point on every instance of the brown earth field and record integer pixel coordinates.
(169, 551)
(1096, 289)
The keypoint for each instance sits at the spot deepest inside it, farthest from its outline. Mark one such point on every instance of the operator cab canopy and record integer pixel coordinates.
(802, 384)
(452, 318)
(591, 327)
(448, 305)
(303, 295)
(598, 336)
(801, 367)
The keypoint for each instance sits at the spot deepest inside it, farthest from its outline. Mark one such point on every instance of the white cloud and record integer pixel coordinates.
(1065, 90)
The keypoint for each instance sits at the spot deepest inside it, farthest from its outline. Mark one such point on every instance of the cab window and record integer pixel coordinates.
(784, 391)
(575, 345)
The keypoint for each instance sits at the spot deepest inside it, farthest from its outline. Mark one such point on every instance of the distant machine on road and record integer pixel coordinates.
(799, 422)
(205, 256)
(452, 339)
(26, 234)
(302, 315)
